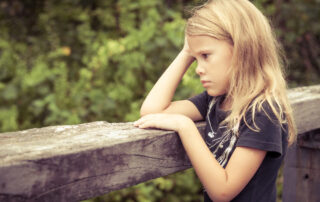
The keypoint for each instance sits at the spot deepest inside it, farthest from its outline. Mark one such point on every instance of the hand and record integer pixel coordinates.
(187, 52)
(186, 47)
(175, 122)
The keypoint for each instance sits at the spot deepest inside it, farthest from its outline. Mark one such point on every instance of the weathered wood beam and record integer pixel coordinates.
(75, 162)
(306, 107)
(70, 163)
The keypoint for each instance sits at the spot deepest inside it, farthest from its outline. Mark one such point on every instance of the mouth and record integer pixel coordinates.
(205, 83)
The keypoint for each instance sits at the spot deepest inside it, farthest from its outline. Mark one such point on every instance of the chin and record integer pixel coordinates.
(215, 93)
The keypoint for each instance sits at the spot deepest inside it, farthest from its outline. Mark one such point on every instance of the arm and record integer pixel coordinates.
(222, 184)
(160, 97)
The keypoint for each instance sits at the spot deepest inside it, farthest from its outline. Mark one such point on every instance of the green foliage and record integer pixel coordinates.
(76, 61)
(79, 61)
(297, 27)
(82, 61)
(182, 186)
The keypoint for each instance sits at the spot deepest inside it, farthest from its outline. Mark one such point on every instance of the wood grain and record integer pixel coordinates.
(76, 162)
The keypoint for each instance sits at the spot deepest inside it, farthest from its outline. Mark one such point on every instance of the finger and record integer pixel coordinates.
(147, 124)
(141, 120)
(137, 122)
(151, 121)
(147, 117)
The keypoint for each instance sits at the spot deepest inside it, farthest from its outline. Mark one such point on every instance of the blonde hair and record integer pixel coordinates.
(257, 63)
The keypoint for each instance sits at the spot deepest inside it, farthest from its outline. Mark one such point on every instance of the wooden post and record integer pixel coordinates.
(302, 169)
(76, 162)
(302, 162)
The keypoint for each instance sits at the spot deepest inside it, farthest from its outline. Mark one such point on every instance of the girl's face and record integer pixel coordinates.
(214, 60)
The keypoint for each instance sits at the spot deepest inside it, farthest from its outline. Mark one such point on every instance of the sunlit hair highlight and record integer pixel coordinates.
(257, 63)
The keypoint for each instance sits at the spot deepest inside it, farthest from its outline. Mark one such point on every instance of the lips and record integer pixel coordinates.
(205, 83)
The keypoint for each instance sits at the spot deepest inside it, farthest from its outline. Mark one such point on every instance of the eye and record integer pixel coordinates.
(204, 55)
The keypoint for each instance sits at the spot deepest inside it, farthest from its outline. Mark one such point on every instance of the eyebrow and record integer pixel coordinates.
(205, 51)
(202, 51)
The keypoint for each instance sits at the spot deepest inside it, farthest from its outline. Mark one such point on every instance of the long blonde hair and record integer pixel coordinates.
(257, 63)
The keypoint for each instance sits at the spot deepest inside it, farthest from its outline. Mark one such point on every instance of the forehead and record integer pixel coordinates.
(201, 43)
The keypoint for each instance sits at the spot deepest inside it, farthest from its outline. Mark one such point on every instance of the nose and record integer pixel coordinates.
(199, 69)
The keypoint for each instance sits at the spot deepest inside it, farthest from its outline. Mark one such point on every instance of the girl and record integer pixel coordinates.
(248, 116)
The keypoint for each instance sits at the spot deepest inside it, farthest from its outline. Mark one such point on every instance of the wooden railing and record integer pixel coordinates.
(75, 162)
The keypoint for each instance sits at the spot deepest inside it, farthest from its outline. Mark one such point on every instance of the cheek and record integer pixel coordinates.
(225, 80)
(222, 76)
(226, 68)
(219, 67)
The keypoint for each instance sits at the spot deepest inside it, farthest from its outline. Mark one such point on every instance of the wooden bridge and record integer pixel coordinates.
(77, 162)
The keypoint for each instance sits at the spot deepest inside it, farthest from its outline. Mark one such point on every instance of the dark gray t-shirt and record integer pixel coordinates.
(222, 142)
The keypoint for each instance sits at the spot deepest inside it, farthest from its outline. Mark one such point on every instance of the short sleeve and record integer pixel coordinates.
(201, 102)
(268, 138)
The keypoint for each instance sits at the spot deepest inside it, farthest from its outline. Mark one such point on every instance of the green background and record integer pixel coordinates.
(77, 61)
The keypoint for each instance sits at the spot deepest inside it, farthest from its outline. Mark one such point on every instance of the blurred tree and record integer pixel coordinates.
(297, 26)
(66, 62)
(74, 61)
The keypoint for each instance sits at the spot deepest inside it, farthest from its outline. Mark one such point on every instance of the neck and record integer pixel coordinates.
(226, 104)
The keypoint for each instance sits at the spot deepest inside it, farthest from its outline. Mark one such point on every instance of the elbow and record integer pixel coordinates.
(223, 196)
(222, 193)
(145, 111)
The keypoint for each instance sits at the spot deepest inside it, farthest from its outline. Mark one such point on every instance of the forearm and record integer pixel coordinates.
(211, 174)
(221, 184)
(160, 96)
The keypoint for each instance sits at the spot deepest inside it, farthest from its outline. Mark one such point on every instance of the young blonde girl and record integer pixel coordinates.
(249, 119)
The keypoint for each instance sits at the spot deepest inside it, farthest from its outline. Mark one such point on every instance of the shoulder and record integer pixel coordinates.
(261, 129)
(263, 114)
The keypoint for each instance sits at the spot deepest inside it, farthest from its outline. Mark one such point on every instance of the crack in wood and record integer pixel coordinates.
(57, 161)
